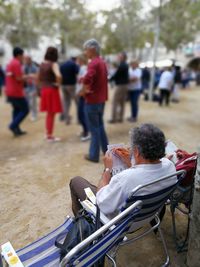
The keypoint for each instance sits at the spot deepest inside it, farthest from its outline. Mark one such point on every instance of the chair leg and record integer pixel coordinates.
(112, 260)
(174, 227)
(165, 247)
(180, 247)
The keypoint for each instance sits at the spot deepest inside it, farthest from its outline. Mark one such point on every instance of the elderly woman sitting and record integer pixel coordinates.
(148, 150)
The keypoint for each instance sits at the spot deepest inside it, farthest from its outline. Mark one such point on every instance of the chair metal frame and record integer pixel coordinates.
(71, 259)
(181, 246)
(126, 216)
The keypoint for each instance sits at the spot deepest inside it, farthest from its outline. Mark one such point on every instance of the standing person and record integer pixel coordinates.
(120, 77)
(30, 86)
(49, 79)
(165, 86)
(69, 71)
(185, 77)
(135, 88)
(145, 79)
(15, 91)
(96, 93)
(2, 79)
(157, 76)
(82, 62)
(177, 84)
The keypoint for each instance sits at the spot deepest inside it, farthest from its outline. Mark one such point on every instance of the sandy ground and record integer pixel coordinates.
(34, 174)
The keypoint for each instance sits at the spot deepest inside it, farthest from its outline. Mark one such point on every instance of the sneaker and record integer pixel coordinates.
(52, 139)
(85, 138)
(33, 118)
(132, 119)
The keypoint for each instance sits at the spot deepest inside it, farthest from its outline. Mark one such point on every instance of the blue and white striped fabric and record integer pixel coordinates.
(151, 202)
(43, 253)
(104, 244)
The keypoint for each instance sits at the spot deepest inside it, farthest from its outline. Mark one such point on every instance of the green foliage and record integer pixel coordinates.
(179, 22)
(124, 28)
(23, 22)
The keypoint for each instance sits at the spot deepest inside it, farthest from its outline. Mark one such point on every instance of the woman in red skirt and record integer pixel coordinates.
(49, 79)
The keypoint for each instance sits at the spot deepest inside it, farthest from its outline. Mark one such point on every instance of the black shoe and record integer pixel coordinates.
(15, 131)
(62, 117)
(89, 159)
(20, 132)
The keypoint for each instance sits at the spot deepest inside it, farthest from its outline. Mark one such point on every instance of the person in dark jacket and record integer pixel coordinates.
(121, 79)
(69, 71)
(177, 84)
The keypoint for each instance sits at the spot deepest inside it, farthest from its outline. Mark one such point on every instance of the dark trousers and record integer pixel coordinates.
(20, 111)
(164, 96)
(81, 115)
(77, 186)
(134, 99)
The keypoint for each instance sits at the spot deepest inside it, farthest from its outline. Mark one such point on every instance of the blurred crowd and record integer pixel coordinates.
(84, 80)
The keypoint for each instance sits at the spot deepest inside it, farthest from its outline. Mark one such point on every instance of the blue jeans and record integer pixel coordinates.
(20, 111)
(94, 116)
(134, 99)
(81, 115)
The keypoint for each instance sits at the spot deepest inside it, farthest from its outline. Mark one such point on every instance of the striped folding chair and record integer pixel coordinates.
(139, 210)
(43, 253)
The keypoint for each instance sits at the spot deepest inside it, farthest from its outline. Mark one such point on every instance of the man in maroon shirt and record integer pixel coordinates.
(96, 93)
(15, 91)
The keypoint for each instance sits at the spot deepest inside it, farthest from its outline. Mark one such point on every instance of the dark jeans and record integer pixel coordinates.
(94, 115)
(134, 99)
(164, 95)
(20, 111)
(81, 115)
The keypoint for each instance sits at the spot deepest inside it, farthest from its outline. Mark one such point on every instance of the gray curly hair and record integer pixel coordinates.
(149, 140)
(92, 43)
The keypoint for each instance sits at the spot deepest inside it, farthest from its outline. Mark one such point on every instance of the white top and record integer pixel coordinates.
(166, 80)
(81, 74)
(111, 197)
(135, 73)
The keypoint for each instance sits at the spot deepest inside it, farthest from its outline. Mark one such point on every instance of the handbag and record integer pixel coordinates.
(82, 226)
(187, 162)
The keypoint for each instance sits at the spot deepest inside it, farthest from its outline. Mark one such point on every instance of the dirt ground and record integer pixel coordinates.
(34, 174)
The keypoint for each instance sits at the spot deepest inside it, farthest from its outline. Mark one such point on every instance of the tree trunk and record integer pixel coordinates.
(193, 255)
